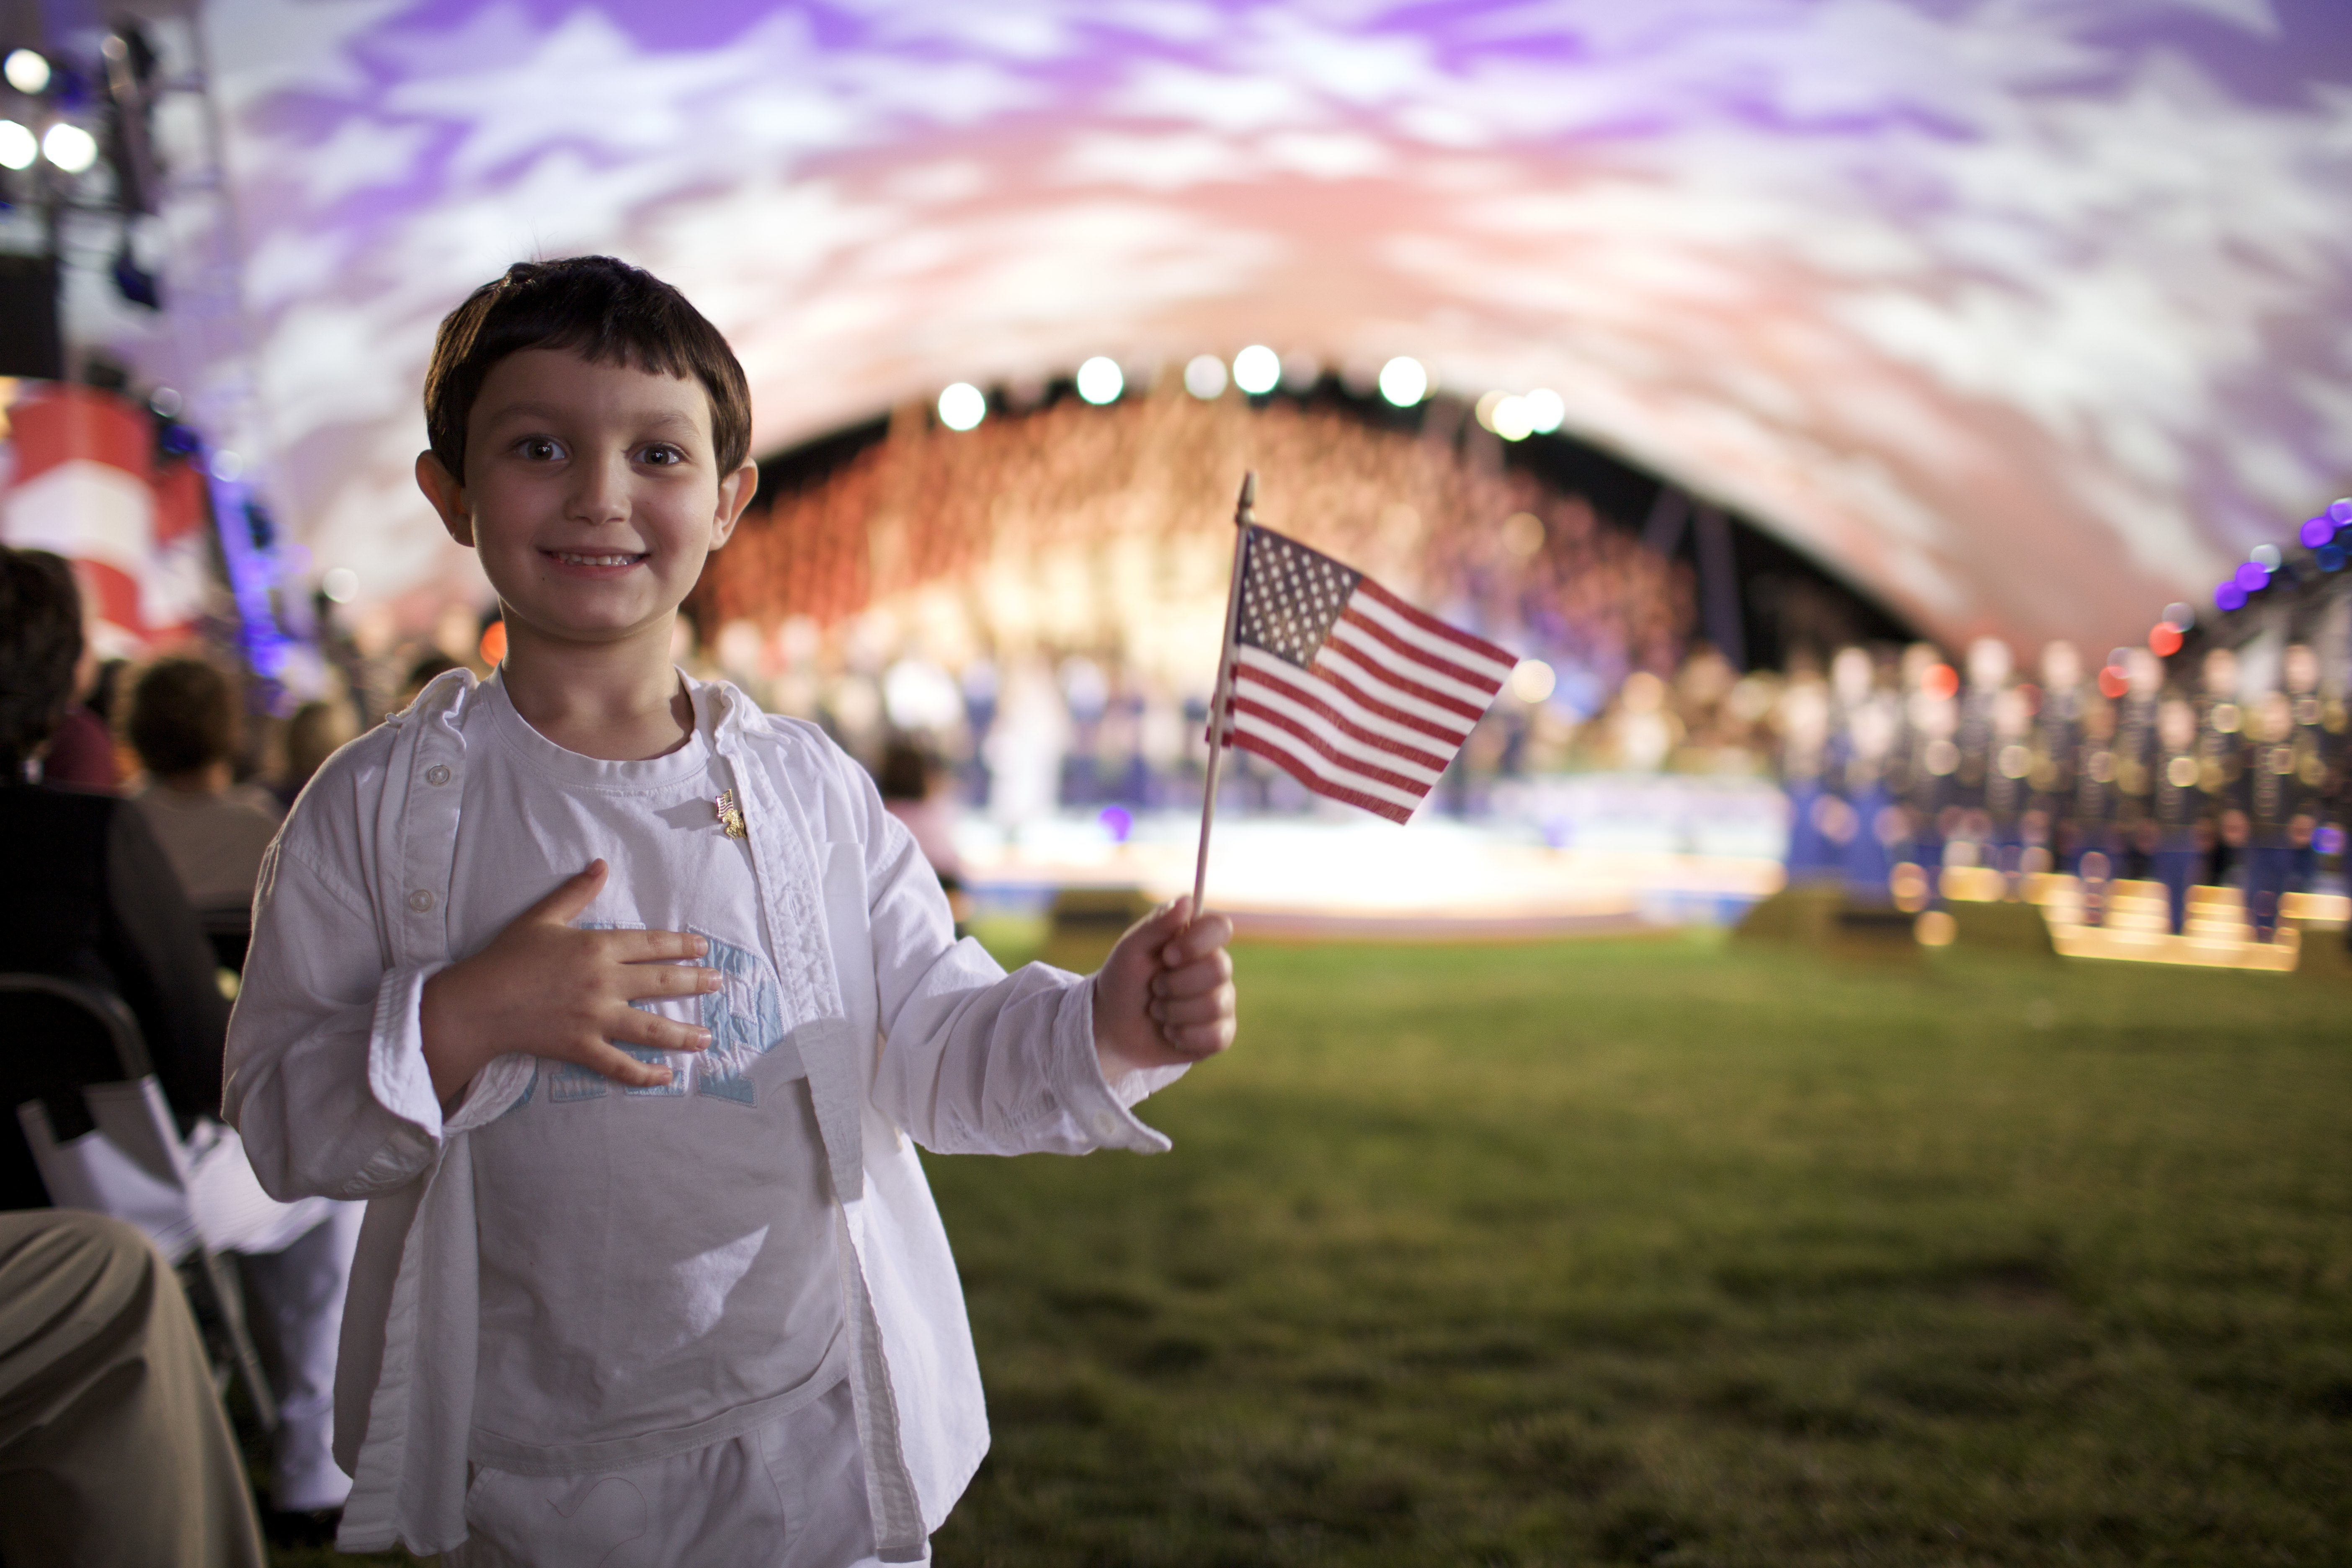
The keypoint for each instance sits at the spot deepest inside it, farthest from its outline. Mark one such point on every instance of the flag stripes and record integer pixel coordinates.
(1352, 691)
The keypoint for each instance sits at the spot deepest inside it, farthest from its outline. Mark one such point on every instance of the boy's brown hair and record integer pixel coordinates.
(605, 311)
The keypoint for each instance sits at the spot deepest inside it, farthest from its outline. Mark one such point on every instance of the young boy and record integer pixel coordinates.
(621, 1001)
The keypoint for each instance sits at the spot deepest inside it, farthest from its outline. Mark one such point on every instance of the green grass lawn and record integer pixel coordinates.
(1676, 1251)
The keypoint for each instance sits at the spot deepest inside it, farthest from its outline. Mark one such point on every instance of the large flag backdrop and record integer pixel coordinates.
(2027, 316)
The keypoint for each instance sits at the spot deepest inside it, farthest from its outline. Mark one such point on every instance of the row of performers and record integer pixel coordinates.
(2180, 782)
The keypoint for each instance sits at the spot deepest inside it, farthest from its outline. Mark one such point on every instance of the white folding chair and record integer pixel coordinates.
(190, 1197)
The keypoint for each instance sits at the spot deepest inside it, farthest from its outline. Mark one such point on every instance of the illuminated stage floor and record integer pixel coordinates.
(1327, 877)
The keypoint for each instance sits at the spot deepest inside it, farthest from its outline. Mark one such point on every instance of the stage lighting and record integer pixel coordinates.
(165, 402)
(2179, 616)
(1512, 422)
(1205, 376)
(2330, 557)
(2230, 597)
(1257, 370)
(2265, 556)
(340, 583)
(27, 70)
(1484, 409)
(227, 467)
(2317, 531)
(2251, 576)
(1523, 534)
(1545, 410)
(1404, 382)
(18, 146)
(1099, 381)
(2164, 639)
(2341, 510)
(70, 147)
(1301, 371)
(962, 406)
(1532, 680)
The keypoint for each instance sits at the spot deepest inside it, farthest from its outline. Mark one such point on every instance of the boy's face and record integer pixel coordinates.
(591, 492)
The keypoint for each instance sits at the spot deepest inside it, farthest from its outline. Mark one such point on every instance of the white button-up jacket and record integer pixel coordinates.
(905, 1032)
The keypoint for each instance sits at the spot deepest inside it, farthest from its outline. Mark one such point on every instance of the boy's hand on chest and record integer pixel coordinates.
(547, 989)
(1165, 995)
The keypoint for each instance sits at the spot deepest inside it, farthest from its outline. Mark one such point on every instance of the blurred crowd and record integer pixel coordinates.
(2230, 773)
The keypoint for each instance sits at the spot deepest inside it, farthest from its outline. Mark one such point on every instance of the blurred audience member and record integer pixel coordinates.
(315, 732)
(909, 779)
(422, 673)
(113, 1445)
(182, 725)
(92, 899)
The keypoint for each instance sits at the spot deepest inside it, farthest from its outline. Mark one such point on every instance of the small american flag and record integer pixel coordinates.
(1344, 686)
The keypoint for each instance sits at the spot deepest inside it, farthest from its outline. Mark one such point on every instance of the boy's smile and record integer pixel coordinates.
(591, 494)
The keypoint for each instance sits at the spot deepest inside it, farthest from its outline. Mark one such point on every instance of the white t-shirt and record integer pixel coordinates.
(657, 1265)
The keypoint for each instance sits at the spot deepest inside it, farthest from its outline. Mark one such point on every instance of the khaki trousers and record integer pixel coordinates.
(113, 1447)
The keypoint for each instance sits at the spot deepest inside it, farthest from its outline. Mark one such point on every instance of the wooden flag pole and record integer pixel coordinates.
(1244, 515)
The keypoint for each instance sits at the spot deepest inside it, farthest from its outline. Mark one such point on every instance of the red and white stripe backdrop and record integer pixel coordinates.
(1352, 691)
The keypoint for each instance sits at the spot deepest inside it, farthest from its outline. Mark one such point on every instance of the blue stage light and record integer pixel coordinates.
(2330, 557)
(2251, 576)
(2230, 597)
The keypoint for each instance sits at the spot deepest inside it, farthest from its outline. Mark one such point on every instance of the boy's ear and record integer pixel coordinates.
(448, 496)
(735, 493)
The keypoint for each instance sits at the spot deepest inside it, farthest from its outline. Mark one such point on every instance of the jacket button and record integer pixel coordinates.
(421, 901)
(1105, 1125)
(438, 774)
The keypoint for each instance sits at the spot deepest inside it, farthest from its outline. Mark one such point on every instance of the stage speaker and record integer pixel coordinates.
(30, 344)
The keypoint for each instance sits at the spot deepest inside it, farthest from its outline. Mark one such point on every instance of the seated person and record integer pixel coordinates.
(182, 724)
(92, 899)
(116, 1447)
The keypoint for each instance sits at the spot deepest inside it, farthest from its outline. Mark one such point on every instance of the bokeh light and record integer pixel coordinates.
(2330, 557)
(70, 147)
(2341, 510)
(340, 583)
(2230, 597)
(1257, 370)
(2250, 577)
(1940, 681)
(2265, 556)
(1512, 420)
(1532, 680)
(2317, 531)
(2164, 639)
(1545, 410)
(494, 642)
(963, 407)
(1205, 376)
(1404, 382)
(2113, 681)
(1101, 380)
(2180, 615)
(27, 71)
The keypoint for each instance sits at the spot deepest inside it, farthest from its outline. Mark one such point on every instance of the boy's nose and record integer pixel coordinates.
(601, 493)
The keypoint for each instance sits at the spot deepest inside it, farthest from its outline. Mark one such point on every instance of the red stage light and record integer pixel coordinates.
(494, 642)
(2112, 683)
(1941, 680)
(2165, 640)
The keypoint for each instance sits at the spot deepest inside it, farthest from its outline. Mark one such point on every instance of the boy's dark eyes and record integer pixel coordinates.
(661, 454)
(538, 448)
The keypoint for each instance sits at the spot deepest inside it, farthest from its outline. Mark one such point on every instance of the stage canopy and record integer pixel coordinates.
(2026, 315)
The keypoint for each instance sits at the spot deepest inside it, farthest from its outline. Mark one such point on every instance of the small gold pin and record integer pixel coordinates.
(730, 815)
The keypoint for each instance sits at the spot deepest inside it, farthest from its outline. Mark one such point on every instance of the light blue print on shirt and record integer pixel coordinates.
(746, 1019)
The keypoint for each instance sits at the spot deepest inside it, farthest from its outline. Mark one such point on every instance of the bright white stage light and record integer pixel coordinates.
(1532, 680)
(962, 406)
(340, 583)
(27, 71)
(1404, 382)
(1257, 369)
(18, 147)
(1512, 422)
(1545, 410)
(227, 467)
(1205, 376)
(1100, 380)
(70, 147)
